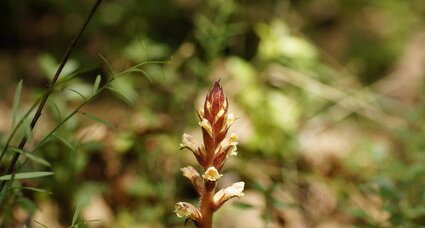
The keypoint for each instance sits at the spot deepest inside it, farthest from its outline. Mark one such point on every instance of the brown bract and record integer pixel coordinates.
(215, 122)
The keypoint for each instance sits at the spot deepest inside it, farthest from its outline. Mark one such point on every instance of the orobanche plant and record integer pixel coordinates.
(217, 146)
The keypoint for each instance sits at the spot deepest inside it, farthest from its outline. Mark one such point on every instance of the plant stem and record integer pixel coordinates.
(40, 108)
(206, 206)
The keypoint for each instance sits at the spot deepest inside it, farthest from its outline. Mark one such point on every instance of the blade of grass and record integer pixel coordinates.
(31, 157)
(78, 93)
(57, 110)
(98, 119)
(108, 65)
(96, 84)
(65, 142)
(138, 70)
(15, 129)
(120, 95)
(37, 190)
(16, 100)
(72, 45)
(75, 216)
(26, 175)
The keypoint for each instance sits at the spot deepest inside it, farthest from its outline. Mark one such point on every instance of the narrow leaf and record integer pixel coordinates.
(98, 119)
(76, 214)
(31, 157)
(96, 84)
(138, 70)
(120, 95)
(37, 190)
(27, 175)
(28, 129)
(57, 109)
(65, 142)
(16, 100)
(108, 65)
(80, 94)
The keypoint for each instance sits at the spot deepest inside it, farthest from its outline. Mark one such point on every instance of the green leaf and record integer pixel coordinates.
(120, 95)
(57, 109)
(37, 190)
(31, 156)
(96, 84)
(68, 77)
(138, 70)
(28, 129)
(76, 214)
(65, 142)
(98, 119)
(80, 94)
(108, 65)
(15, 105)
(26, 175)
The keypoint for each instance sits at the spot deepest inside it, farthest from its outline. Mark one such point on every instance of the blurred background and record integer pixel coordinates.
(329, 96)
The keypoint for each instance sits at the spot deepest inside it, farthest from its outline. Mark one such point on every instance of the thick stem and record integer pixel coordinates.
(207, 206)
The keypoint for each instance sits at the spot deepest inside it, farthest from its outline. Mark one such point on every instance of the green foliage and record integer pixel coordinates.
(321, 138)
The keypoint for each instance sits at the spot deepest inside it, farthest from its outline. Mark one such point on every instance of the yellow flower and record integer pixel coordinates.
(211, 174)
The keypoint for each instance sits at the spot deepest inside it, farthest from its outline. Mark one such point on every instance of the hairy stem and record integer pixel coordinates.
(207, 207)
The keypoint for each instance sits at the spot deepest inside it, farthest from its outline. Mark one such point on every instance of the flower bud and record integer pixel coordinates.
(183, 209)
(194, 177)
(226, 149)
(190, 143)
(235, 190)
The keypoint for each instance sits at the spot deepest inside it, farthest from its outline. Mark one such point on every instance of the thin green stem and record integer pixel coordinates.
(43, 101)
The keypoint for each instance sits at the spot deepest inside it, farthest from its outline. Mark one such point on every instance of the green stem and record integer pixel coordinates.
(40, 108)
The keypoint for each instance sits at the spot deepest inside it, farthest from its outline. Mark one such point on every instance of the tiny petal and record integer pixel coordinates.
(233, 151)
(183, 209)
(230, 120)
(211, 174)
(235, 190)
(190, 143)
(205, 124)
(233, 138)
(190, 172)
(228, 142)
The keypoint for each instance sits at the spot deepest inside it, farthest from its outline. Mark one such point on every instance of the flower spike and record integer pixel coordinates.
(215, 122)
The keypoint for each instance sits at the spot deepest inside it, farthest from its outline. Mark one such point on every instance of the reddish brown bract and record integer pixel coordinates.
(214, 121)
